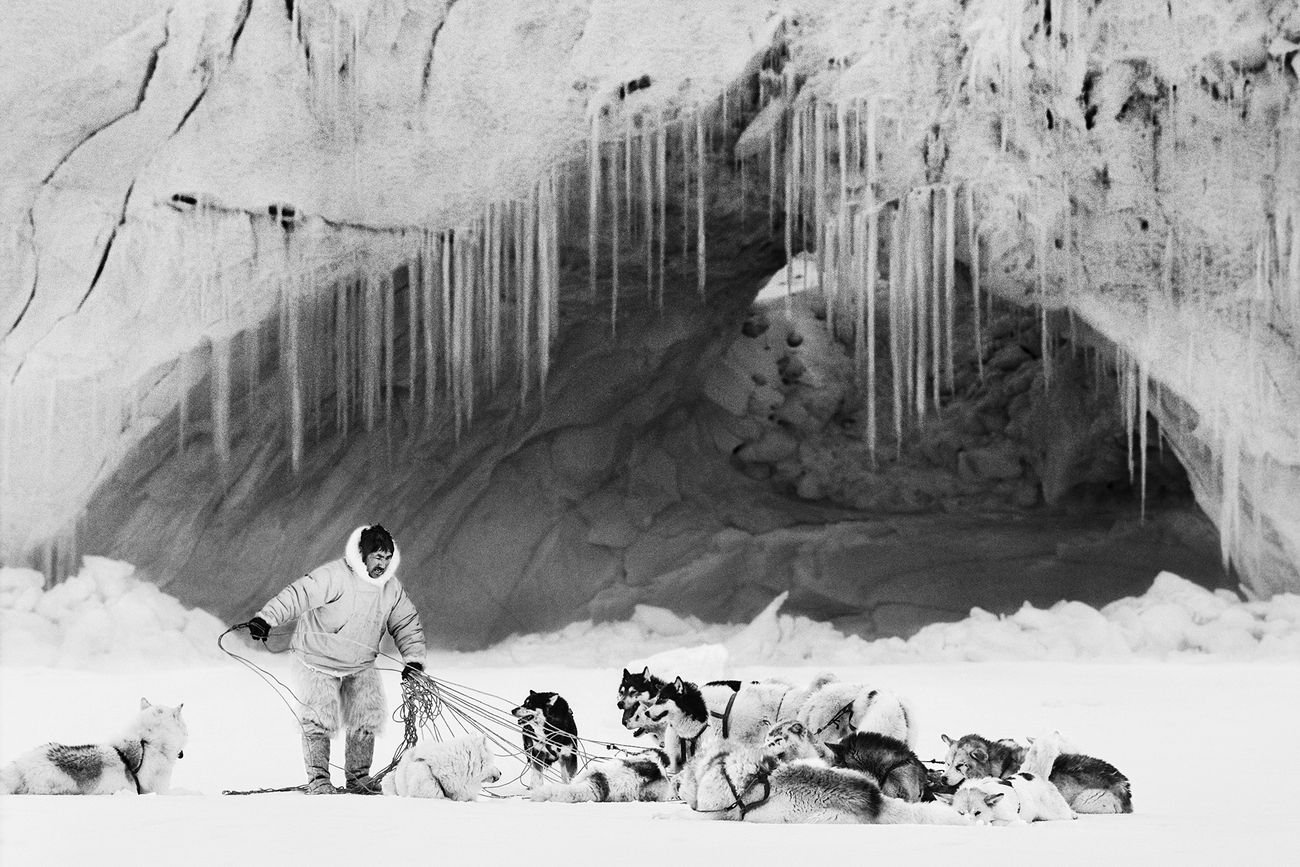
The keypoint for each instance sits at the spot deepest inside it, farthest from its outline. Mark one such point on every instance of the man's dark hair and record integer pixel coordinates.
(375, 538)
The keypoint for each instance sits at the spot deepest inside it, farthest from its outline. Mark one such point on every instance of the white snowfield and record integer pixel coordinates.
(1192, 694)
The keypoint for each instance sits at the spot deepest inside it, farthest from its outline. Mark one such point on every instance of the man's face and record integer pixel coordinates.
(376, 562)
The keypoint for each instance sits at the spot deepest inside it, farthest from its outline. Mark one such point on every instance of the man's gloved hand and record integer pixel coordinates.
(411, 668)
(258, 628)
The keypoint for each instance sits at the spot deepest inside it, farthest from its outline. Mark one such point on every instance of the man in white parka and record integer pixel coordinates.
(343, 608)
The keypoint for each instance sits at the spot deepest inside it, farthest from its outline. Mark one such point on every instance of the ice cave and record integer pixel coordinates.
(901, 307)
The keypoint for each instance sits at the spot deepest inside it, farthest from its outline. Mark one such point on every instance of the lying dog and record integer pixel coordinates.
(139, 762)
(454, 769)
(550, 735)
(836, 710)
(1089, 785)
(640, 777)
(888, 761)
(744, 784)
(1027, 796)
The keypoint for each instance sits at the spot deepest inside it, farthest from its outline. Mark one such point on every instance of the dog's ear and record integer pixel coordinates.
(144, 703)
(979, 754)
(551, 701)
(531, 693)
(992, 800)
(177, 712)
(679, 684)
(836, 748)
(645, 672)
(626, 674)
(947, 740)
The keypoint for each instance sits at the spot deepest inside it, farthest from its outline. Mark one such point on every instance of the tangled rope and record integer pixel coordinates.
(439, 709)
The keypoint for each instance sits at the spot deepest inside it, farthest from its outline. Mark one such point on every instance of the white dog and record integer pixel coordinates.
(140, 762)
(455, 769)
(836, 710)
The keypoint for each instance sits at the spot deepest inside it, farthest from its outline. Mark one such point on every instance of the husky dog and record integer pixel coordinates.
(1027, 796)
(139, 762)
(836, 710)
(1089, 785)
(739, 783)
(636, 691)
(680, 707)
(746, 712)
(549, 734)
(888, 761)
(789, 741)
(454, 769)
(642, 777)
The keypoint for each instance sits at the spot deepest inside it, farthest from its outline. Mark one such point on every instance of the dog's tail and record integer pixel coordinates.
(896, 812)
(1116, 800)
(11, 780)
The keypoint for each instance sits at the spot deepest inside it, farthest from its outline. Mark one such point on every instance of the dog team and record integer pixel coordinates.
(769, 751)
(761, 751)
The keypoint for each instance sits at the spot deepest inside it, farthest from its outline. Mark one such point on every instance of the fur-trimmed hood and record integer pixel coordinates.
(352, 556)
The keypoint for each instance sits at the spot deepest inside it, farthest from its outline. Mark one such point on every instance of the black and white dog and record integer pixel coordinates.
(550, 735)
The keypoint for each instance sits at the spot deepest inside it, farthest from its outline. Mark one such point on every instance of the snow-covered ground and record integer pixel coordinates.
(1192, 694)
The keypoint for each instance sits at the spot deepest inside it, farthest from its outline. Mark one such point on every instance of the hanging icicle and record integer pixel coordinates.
(973, 249)
(661, 170)
(700, 194)
(593, 202)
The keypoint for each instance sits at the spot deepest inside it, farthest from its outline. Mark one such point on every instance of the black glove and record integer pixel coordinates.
(258, 628)
(411, 668)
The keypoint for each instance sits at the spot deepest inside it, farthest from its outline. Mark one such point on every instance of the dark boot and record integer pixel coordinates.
(316, 756)
(359, 752)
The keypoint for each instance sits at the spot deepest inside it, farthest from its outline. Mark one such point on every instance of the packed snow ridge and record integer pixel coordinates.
(105, 616)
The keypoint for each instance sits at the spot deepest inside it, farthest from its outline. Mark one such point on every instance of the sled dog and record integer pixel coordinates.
(550, 735)
(139, 762)
(746, 713)
(888, 761)
(680, 707)
(836, 710)
(1026, 796)
(634, 692)
(1089, 785)
(454, 769)
(740, 783)
(789, 741)
(640, 777)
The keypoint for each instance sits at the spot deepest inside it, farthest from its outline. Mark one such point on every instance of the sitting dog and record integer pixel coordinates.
(634, 692)
(140, 762)
(1089, 785)
(550, 735)
(454, 769)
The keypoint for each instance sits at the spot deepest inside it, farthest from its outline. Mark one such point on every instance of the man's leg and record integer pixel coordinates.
(363, 714)
(319, 714)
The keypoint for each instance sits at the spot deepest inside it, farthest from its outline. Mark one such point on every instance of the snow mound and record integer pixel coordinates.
(101, 617)
(1175, 618)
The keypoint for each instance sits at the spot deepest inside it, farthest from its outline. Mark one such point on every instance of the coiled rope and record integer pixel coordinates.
(439, 709)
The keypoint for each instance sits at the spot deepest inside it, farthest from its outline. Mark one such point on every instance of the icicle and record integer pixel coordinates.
(542, 203)
(647, 210)
(700, 267)
(686, 191)
(593, 202)
(430, 267)
(661, 169)
(1230, 503)
(936, 299)
(950, 278)
(873, 252)
(613, 245)
(1042, 295)
(973, 247)
(1142, 398)
(896, 323)
(413, 296)
(743, 182)
(221, 402)
(290, 314)
(450, 348)
(390, 339)
(819, 192)
(628, 211)
(341, 367)
(524, 293)
(790, 174)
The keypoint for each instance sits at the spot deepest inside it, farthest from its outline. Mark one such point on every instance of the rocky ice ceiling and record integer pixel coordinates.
(486, 271)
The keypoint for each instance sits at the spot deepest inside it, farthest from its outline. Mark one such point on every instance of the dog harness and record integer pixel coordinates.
(738, 795)
(133, 773)
(848, 708)
(725, 716)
